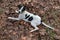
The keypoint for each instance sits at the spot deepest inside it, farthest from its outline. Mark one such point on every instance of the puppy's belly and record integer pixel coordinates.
(37, 20)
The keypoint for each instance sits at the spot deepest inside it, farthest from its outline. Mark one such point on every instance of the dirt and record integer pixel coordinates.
(48, 10)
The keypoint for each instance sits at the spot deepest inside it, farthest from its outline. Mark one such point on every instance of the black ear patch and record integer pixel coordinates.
(24, 8)
(19, 6)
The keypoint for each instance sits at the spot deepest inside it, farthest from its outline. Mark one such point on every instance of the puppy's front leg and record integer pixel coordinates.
(13, 18)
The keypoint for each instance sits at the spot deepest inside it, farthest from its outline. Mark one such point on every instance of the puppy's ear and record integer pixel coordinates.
(19, 6)
(24, 8)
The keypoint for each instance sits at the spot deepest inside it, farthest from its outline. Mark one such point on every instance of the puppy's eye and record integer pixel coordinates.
(19, 11)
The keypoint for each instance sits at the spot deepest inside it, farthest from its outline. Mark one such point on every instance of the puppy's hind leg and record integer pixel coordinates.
(13, 18)
(36, 28)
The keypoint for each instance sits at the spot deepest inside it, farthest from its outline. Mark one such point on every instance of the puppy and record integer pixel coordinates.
(29, 17)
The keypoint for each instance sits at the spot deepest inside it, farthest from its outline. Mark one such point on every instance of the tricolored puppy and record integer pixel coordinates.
(29, 17)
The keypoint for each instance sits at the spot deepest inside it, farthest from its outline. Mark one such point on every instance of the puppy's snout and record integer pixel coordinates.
(17, 11)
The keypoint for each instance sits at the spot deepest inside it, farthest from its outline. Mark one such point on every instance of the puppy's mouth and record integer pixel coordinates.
(19, 12)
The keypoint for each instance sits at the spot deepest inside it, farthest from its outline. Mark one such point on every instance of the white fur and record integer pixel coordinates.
(36, 20)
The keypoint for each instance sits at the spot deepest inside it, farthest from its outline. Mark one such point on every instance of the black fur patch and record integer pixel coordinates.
(19, 12)
(27, 16)
(19, 6)
(23, 8)
(30, 18)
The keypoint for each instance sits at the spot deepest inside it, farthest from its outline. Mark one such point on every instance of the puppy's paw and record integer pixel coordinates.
(31, 31)
(34, 30)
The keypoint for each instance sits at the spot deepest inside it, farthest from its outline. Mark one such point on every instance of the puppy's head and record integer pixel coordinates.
(21, 8)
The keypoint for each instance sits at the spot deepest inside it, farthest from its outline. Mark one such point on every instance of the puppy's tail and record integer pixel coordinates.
(47, 25)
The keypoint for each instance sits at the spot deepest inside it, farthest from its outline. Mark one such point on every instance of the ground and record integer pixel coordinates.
(48, 10)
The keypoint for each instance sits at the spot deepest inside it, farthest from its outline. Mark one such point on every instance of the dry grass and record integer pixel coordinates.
(49, 11)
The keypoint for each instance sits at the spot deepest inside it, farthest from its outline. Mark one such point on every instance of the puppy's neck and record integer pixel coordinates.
(25, 12)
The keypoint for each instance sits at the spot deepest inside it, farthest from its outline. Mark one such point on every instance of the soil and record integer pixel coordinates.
(48, 10)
